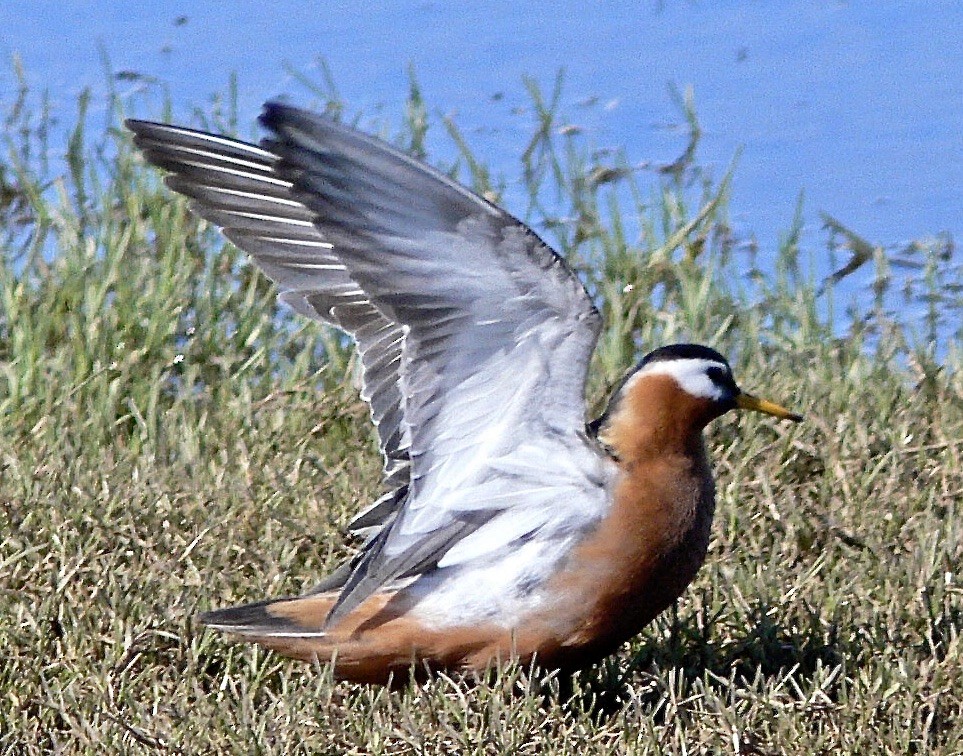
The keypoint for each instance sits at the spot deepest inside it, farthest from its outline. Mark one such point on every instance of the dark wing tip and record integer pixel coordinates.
(277, 113)
(143, 129)
(137, 124)
(154, 128)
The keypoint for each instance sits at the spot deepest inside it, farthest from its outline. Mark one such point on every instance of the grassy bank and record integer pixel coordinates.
(171, 440)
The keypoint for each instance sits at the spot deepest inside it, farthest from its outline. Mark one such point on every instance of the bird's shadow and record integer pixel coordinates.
(763, 647)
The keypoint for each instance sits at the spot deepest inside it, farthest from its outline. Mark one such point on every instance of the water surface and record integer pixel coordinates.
(857, 104)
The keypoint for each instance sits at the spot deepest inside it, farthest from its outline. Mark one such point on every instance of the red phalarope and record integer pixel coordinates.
(510, 529)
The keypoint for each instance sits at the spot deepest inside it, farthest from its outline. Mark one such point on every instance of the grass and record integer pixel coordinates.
(171, 441)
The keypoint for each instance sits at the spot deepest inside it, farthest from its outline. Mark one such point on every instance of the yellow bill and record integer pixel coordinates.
(750, 402)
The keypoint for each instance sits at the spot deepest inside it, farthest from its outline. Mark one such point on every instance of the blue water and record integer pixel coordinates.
(857, 104)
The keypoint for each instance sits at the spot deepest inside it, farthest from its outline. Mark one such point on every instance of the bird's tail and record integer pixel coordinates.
(291, 626)
(373, 644)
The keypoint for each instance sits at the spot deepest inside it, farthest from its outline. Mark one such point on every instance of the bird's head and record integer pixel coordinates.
(674, 392)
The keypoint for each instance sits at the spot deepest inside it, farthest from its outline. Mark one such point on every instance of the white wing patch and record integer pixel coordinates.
(502, 592)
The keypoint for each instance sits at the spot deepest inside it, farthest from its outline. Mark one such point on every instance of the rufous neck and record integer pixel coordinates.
(655, 417)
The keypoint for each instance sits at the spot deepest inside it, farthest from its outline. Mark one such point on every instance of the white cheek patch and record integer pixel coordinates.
(691, 374)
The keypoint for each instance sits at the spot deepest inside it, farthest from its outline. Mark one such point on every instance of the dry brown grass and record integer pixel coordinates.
(171, 442)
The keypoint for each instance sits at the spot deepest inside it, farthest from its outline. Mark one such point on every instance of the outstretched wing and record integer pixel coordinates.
(235, 186)
(475, 335)
(500, 334)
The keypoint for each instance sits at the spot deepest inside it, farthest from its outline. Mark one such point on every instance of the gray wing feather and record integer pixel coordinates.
(500, 333)
(235, 185)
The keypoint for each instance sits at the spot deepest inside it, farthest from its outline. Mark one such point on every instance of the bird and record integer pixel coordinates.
(511, 528)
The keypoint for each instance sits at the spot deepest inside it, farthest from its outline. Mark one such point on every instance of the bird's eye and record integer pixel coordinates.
(722, 377)
(718, 375)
